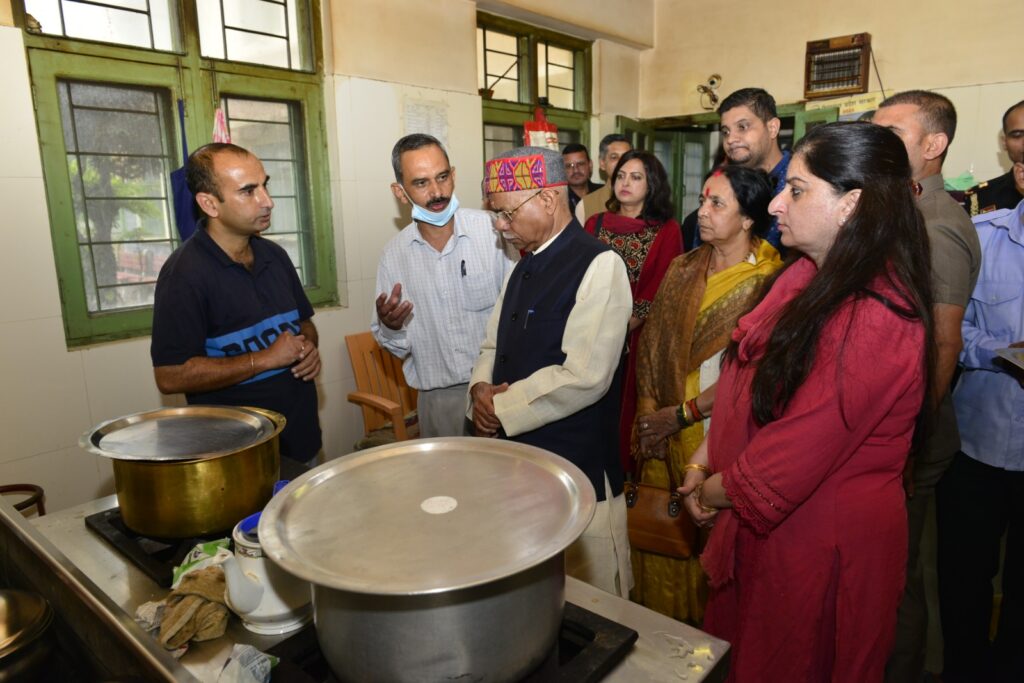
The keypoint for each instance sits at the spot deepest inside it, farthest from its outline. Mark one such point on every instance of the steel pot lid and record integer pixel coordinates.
(24, 617)
(427, 516)
(187, 433)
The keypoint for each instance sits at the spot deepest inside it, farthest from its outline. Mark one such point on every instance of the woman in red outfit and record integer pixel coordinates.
(639, 226)
(825, 379)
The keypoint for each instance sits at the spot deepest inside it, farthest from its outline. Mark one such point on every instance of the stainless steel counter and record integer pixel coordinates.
(666, 649)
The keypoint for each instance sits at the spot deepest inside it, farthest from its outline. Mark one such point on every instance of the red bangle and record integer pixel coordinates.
(692, 403)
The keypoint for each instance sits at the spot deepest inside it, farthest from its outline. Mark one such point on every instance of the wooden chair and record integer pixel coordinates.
(388, 403)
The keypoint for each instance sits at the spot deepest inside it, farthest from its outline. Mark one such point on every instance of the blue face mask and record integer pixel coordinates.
(438, 219)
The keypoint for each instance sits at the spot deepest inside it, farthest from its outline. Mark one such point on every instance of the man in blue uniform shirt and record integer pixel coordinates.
(231, 322)
(547, 371)
(981, 496)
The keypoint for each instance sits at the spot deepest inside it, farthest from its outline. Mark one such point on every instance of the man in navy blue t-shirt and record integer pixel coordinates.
(231, 322)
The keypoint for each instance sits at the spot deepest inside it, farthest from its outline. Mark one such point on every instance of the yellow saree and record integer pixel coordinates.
(678, 357)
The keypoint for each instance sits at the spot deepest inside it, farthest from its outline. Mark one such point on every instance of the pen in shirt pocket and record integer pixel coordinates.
(527, 321)
(463, 267)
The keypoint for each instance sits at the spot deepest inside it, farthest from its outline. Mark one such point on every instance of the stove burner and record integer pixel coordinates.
(588, 647)
(156, 557)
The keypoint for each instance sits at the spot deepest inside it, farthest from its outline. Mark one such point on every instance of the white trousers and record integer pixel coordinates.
(601, 555)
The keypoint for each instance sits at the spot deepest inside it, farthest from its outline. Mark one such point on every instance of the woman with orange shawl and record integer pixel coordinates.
(701, 297)
(639, 226)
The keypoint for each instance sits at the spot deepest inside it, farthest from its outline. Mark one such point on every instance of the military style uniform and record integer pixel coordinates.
(998, 193)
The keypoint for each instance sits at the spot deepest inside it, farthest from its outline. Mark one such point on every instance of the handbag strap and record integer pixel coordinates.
(638, 474)
(675, 502)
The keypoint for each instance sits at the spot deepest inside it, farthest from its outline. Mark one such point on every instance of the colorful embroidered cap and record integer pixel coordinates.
(524, 168)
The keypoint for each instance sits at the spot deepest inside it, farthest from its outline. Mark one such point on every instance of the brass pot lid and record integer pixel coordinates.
(24, 617)
(188, 433)
(427, 516)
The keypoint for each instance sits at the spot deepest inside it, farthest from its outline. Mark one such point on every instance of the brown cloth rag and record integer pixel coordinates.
(195, 609)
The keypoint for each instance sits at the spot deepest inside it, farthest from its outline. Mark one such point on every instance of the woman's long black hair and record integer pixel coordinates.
(884, 237)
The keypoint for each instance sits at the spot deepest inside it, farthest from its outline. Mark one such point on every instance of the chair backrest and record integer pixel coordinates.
(378, 372)
(35, 496)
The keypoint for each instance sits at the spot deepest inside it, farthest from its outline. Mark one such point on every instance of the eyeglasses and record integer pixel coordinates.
(506, 216)
(575, 164)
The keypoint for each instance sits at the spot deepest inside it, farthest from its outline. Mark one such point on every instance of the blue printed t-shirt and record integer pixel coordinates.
(208, 305)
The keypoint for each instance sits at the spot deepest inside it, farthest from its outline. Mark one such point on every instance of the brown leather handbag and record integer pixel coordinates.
(655, 516)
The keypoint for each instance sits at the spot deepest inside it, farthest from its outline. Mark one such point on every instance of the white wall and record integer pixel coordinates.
(46, 405)
(970, 56)
(629, 23)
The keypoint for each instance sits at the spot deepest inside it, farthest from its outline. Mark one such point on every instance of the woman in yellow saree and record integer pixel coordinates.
(703, 294)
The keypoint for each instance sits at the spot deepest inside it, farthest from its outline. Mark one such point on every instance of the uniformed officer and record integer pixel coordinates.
(1003, 192)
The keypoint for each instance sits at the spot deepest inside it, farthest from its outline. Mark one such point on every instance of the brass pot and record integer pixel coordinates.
(192, 471)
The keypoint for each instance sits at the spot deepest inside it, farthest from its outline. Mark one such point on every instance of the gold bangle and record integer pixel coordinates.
(687, 414)
(252, 365)
(697, 466)
(697, 491)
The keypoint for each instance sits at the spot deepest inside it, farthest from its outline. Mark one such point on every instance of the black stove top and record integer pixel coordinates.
(156, 557)
(588, 647)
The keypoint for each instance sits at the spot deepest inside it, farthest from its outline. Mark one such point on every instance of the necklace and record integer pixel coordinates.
(750, 257)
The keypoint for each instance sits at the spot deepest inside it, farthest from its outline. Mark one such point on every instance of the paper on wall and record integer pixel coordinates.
(424, 116)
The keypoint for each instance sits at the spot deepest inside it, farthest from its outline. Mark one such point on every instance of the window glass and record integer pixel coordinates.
(567, 135)
(498, 64)
(272, 130)
(139, 23)
(269, 32)
(693, 175)
(498, 139)
(118, 163)
(556, 76)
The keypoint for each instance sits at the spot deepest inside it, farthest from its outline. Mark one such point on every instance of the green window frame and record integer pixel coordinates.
(200, 83)
(532, 42)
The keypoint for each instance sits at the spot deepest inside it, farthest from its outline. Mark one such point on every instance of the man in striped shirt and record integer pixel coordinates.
(437, 283)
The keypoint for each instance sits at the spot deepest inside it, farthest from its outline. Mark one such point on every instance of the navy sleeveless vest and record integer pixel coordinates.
(539, 296)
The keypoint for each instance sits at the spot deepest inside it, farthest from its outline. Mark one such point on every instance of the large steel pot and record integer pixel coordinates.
(435, 559)
(191, 471)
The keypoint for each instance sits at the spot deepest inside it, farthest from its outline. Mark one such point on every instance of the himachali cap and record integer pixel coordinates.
(524, 168)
